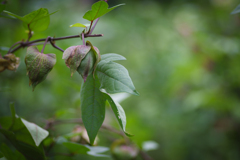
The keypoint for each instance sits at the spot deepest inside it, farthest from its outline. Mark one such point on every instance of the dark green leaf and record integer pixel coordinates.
(9, 154)
(76, 148)
(119, 114)
(114, 78)
(5, 122)
(29, 151)
(236, 10)
(98, 9)
(2, 7)
(111, 57)
(37, 20)
(92, 106)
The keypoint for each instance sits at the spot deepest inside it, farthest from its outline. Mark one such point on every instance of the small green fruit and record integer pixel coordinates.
(38, 65)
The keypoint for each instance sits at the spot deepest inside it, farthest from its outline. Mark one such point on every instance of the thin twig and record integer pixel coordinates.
(83, 40)
(55, 46)
(94, 26)
(25, 44)
(19, 42)
(47, 39)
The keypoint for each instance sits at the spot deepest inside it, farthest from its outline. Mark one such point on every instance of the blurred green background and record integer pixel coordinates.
(183, 57)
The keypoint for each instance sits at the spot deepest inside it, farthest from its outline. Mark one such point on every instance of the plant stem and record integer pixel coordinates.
(94, 26)
(19, 42)
(83, 40)
(48, 38)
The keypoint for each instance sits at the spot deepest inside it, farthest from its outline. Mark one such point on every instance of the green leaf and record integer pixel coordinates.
(5, 122)
(25, 137)
(29, 151)
(76, 148)
(111, 57)
(92, 106)
(37, 20)
(98, 9)
(236, 10)
(114, 78)
(119, 114)
(9, 154)
(38, 65)
(38, 134)
(78, 25)
(2, 7)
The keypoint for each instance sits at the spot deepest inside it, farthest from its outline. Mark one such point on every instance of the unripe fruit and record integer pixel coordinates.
(83, 58)
(38, 65)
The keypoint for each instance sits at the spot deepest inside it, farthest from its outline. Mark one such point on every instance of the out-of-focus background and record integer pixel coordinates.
(183, 57)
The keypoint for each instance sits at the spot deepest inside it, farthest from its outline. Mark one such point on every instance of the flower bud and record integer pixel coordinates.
(9, 61)
(38, 65)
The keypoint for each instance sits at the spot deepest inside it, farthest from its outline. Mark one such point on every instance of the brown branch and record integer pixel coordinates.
(26, 44)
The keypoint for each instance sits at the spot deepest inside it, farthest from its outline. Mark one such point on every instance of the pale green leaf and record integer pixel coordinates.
(92, 106)
(98, 9)
(37, 20)
(111, 57)
(236, 10)
(38, 134)
(119, 114)
(78, 25)
(114, 78)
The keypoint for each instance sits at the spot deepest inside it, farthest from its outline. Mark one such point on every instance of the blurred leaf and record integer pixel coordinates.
(5, 122)
(119, 114)
(98, 9)
(78, 25)
(9, 154)
(92, 106)
(95, 150)
(114, 78)
(236, 10)
(111, 57)
(2, 7)
(149, 145)
(29, 151)
(38, 134)
(25, 139)
(76, 148)
(37, 20)
(38, 65)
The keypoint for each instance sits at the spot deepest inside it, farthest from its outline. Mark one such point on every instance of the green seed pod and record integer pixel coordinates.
(89, 63)
(38, 65)
(74, 55)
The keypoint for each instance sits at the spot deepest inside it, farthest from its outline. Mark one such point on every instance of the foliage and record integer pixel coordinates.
(26, 137)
